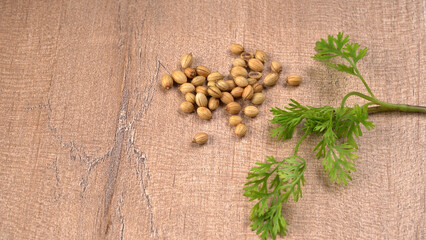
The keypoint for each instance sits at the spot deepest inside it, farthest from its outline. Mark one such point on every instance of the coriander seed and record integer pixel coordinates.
(241, 81)
(201, 100)
(236, 48)
(241, 130)
(294, 80)
(233, 108)
(200, 138)
(258, 98)
(214, 92)
(222, 85)
(231, 84)
(211, 84)
(237, 92)
(239, 71)
(187, 107)
(251, 111)
(166, 81)
(276, 67)
(246, 56)
(190, 72)
(198, 81)
(248, 92)
(251, 81)
(257, 87)
(202, 71)
(239, 62)
(234, 120)
(201, 89)
(204, 113)
(270, 79)
(261, 56)
(187, 60)
(255, 75)
(214, 76)
(213, 103)
(227, 98)
(179, 77)
(255, 65)
(186, 88)
(190, 97)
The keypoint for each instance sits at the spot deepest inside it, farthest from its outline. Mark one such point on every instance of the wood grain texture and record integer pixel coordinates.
(91, 146)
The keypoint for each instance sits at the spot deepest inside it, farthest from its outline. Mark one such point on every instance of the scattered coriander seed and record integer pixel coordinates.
(198, 81)
(213, 103)
(246, 55)
(187, 60)
(227, 98)
(190, 97)
(270, 79)
(166, 81)
(276, 67)
(251, 81)
(211, 84)
(179, 77)
(261, 56)
(251, 111)
(255, 65)
(202, 71)
(294, 80)
(204, 113)
(186, 88)
(214, 76)
(201, 89)
(190, 72)
(258, 98)
(239, 62)
(237, 92)
(236, 48)
(239, 71)
(234, 120)
(255, 75)
(200, 138)
(241, 130)
(233, 108)
(222, 85)
(241, 81)
(201, 100)
(231, 84)
(214, 92)
(257, 87)
(248, 93)
(187, 107)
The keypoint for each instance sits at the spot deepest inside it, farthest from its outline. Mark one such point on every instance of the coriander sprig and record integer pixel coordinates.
(272, 183)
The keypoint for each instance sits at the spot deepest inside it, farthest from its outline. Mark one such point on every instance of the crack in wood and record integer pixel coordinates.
(115, 157)
(120, 214)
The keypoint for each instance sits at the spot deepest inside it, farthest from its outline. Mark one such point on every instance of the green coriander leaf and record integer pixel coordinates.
(271, 184)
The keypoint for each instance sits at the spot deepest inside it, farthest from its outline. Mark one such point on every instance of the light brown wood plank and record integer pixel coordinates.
(92, 147)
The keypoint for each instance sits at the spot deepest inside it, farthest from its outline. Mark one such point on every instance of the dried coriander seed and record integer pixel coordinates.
(179, 77)
(166, 81)
(187, 60)
(200, 138)
(236, 48)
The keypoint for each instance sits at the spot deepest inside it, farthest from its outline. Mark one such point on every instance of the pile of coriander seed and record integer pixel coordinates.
(205, 90)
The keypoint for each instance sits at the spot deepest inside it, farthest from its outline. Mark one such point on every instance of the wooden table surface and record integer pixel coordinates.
(92, 147)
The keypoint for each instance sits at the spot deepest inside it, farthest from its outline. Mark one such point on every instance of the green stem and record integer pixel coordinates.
(384, 106)
(300, 141)
(371, 99)
(389, 107)
(358, 74)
